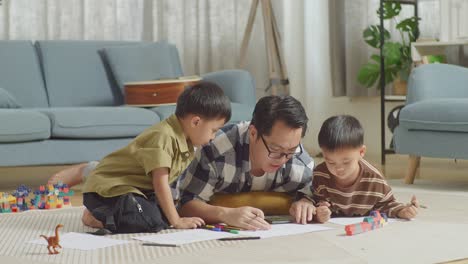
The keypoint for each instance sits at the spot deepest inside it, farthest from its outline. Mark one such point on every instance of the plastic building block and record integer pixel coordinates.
(373, 221)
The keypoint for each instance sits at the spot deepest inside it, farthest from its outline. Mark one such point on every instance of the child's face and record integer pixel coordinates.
(344, 163)
(203, 130)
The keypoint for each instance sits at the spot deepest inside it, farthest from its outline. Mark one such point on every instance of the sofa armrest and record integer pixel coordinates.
(437, 81)
(238, 85)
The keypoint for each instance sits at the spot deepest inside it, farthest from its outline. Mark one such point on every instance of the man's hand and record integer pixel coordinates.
(302, 211)
(188, 222)
(246, 217)
(411, 210)
(322, 212)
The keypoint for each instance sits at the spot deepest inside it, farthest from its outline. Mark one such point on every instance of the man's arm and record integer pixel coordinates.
(245, 217)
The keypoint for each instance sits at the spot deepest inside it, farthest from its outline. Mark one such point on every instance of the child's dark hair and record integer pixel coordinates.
(206, 99)
(342, 131)
(270, 109)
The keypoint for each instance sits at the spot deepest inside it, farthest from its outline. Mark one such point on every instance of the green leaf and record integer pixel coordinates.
(391, 73)
(410, 25)
(375, 58)
(371, 36)
(391, 9)
(392, 53)
(368, 74)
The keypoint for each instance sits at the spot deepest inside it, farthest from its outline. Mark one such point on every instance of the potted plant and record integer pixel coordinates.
(397, 53)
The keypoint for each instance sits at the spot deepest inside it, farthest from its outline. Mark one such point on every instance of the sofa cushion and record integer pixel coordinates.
(164, 111)
(7, 100)
(20, 125)
(76, 74)
(437, 115)
(20, 73)
(99, 122)
(142, 62)
(240, 112)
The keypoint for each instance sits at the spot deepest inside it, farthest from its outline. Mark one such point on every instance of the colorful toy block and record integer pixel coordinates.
(373, 221)
(45, 197)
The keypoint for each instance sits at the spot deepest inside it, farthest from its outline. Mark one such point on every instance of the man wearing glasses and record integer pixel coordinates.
(263, 155)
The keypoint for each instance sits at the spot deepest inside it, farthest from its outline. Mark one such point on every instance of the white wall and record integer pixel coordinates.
(307, 57)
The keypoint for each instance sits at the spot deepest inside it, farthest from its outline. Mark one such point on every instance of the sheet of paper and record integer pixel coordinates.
(82, 241)
(184, 237)
(286, 230)
(350, 220)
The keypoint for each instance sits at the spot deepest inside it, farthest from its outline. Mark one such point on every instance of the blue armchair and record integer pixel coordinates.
(434, 121)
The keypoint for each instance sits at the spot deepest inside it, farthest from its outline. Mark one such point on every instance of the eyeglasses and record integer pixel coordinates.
(279, 155)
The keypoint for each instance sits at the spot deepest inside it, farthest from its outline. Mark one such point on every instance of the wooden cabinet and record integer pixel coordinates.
(158, 92)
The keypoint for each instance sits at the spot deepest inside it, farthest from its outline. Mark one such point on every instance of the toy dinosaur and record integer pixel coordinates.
(53, 241)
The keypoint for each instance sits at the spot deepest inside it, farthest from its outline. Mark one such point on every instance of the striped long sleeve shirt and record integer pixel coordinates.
(369, 192)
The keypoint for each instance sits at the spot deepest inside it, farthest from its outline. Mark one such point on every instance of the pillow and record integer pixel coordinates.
(271, 203)
(7, 100)
(142, 62)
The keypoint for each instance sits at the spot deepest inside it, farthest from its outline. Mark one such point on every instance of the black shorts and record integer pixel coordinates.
(92, 201)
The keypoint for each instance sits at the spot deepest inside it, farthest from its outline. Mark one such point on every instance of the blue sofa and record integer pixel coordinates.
(61, 102)
(434, 120)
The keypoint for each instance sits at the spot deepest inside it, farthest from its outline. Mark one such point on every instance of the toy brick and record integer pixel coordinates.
(375, 220)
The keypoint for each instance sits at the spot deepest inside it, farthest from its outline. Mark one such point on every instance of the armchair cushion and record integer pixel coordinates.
(142, 62)
(99, 122)
(437, 115)
(238, 85)
(23, 125)
(241, 112)
(7, 100)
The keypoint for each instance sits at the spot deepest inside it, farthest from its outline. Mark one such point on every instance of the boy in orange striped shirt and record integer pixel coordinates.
(347, 185)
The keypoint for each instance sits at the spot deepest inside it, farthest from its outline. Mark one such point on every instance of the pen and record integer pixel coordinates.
(159, 245)
(238, 238)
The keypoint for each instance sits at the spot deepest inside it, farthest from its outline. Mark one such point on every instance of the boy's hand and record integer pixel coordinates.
(411, 210)
(188, 223)
(302, 211)
(246, 217)
(323, 212)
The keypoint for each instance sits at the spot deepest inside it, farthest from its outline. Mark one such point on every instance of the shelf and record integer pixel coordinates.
(388, 98)
(395, 98)
(389, 151)
(419, 49)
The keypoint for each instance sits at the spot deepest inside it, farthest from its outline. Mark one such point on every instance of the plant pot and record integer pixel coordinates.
(399, 87)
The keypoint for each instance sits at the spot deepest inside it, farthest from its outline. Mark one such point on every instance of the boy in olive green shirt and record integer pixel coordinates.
(156, 158)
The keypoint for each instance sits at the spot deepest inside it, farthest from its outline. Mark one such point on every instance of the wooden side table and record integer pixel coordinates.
(157, 92)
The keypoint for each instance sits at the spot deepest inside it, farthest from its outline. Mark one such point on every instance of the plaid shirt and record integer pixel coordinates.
(223, 166)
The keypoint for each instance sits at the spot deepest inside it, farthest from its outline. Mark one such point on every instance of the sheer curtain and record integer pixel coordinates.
(207, 33)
